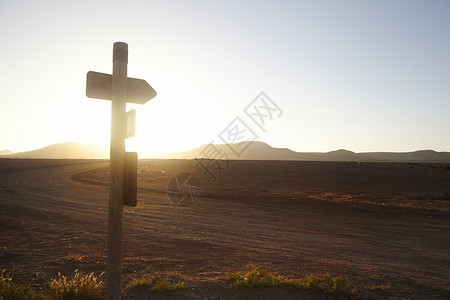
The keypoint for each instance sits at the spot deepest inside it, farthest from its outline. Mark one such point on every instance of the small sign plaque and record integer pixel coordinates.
(131, 123)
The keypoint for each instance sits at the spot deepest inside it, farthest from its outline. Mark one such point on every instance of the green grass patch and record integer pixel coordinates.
(156, 283)
(256, 277)
(79, 286)
(167, 286)
(12, 291)
(326, 283)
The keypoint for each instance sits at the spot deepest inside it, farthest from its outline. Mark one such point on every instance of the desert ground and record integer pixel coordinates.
(384, 225)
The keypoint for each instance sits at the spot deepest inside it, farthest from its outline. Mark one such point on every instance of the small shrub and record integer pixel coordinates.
(80, 286)
(256, 277)
(144, 281)
(340, 283)
(326, 283)
(156, 283)
(167, 286)
(12, 291)
(320, 283)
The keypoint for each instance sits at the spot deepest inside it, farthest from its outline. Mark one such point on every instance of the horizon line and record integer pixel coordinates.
(221, 144)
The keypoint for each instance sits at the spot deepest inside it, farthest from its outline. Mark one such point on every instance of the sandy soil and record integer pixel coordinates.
(384, 225)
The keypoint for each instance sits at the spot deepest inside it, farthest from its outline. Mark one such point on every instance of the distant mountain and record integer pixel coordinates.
(65, 150)
(262, 151)
(421, 155)
(5, 152)
(244, 150)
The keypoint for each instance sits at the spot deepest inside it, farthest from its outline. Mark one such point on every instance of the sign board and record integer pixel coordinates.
(131, 123)
(99, 86)
(130, 186)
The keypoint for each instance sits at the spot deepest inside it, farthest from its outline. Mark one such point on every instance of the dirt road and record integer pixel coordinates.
(382, 225)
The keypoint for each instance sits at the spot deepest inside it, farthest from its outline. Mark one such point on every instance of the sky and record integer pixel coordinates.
(358, 75)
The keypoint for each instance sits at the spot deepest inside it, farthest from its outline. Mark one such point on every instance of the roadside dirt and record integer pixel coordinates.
(384, 225)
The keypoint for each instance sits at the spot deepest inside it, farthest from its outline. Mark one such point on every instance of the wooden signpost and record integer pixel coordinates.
(123, 166)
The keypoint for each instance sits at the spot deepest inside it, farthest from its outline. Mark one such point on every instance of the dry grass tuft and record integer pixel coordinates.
(78, 258)
(80, 286)
(256, 277)
(156, 283)
(12, 291)
(326, 283)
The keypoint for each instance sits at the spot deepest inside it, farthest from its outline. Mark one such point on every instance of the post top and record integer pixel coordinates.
(120, 52)
(121, 45)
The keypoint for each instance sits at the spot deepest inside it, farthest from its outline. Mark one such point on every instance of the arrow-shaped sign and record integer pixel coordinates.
(99, 86)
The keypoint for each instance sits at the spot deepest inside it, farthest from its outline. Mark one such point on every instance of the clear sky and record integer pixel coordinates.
(359, 75)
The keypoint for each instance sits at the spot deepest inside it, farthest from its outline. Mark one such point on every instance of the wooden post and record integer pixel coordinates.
(117, 171)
